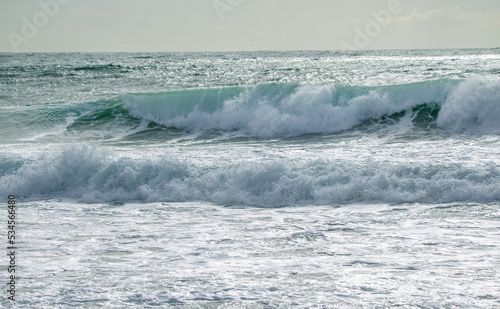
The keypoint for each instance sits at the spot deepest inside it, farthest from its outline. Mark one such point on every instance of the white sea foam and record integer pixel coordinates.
(474, 106)
(87, 174)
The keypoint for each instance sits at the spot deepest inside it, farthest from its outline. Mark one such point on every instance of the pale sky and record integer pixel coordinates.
(246, 25)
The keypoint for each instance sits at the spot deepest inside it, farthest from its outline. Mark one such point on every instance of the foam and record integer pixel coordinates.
(90, 175)
(474, 106)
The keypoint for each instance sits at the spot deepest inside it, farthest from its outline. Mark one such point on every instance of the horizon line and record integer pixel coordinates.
(248, 51)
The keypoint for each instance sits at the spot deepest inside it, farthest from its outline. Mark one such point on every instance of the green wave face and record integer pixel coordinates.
(281, 110)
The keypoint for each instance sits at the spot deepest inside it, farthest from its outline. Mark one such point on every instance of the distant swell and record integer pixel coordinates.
(89, 175)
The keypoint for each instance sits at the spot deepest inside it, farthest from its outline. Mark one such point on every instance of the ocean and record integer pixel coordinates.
(302, 179)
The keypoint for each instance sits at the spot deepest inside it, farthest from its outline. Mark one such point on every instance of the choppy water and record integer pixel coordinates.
(259, 180)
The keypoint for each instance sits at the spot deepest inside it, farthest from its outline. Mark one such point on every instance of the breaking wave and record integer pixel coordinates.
(276, 110)
(90, 175)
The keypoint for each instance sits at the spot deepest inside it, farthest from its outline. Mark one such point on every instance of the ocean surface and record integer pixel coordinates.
(308, 179)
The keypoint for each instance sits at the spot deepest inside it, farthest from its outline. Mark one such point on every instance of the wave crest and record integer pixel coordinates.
(474, 106)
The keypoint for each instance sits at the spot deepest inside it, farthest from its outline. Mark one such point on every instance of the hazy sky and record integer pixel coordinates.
(236, 25)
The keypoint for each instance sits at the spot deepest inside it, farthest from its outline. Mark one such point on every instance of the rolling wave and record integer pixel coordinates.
(90, 175)
(271, 110)
(284, 110)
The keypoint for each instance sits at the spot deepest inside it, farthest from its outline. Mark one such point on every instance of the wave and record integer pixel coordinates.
(271, 110)
(283, 110)
(472, 106)
(90, 175)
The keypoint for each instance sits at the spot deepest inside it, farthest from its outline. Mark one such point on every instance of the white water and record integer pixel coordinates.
(195, 255)
(305, 177)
